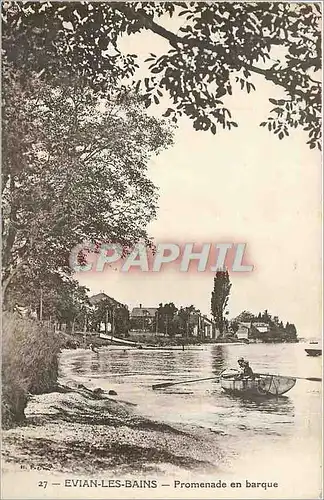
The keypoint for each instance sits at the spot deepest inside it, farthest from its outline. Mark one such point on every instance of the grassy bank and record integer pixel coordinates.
(29, 364)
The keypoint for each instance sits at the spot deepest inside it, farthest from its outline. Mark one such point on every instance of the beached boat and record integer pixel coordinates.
(262, 385)
(170, 348)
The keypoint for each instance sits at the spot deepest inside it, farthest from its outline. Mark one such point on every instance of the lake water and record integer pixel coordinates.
(271, 440)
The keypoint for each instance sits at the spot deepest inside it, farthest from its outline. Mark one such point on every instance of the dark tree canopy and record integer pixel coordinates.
(74, 169)
(214, 51)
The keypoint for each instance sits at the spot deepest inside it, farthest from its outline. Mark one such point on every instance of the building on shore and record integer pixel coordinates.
(206, 328)
(244, 330)
(261, 327)
(102, 297)
(107, 315)
(262, 331)
(143, 319)
(152, 323)
(249, 330)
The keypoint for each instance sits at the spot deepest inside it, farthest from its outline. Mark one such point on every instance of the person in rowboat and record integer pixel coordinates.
(246, 370)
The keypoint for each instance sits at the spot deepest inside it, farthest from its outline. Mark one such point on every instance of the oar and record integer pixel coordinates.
(312, 379)
(169, 384)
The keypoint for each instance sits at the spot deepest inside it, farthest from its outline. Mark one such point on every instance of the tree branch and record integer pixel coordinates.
(148, 23)
(269, 75)
(175, 40)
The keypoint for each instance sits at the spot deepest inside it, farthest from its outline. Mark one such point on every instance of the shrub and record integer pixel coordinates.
(29, 363)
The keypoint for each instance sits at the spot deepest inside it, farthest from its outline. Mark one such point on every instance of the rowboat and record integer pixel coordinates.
(313, 351)
(262, 385)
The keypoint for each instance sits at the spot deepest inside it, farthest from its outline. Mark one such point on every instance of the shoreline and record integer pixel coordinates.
(88, 432)
(78, 341)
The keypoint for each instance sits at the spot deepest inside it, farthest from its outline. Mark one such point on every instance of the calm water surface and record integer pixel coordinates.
(252, 434)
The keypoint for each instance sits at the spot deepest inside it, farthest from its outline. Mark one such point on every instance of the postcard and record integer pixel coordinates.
(162, 218)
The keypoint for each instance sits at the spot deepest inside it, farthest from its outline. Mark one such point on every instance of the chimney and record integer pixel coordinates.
(140, 306)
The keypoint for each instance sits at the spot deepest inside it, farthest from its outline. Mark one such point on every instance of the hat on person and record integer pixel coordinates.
(240, 360)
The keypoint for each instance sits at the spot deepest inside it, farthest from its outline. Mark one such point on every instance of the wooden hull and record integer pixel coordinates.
(260, 386)
(314, 351)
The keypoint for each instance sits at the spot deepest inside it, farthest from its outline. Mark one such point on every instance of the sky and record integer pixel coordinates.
(243, 185)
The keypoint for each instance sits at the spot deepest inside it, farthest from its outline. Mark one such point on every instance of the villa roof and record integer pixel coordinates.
(140, 312)
(101, 297)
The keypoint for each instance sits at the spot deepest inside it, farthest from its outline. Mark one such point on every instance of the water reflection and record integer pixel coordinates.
(281, 405)
(79, 366)
(218, 359)
(95, 365)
